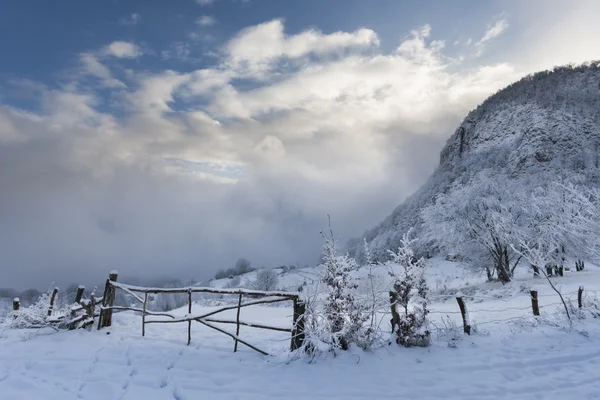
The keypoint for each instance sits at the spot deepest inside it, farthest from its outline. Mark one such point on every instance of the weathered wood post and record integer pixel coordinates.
(534, 303)
(91, 310)
(465, 315)
(395, 316)
(144, 314)
(237, 320)
(79, 294)
(298, 321)
(16, 306)
(189, 314)
(580, 297)
(108, 301)
(52, 299)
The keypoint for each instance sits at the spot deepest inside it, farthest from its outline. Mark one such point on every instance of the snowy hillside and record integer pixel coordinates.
(544, 127)
(510, 354)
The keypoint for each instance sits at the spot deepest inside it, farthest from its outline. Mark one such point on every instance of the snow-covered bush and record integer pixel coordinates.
(449, 331)
(409, 289)
(31, 317)
(233, 283)
(266, 280)
(344, 314)
(338, 319)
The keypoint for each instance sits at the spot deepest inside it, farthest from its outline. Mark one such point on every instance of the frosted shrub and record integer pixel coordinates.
(449, 331)
(344, 316)
(409, 297)
(32, 317)
(266, 280)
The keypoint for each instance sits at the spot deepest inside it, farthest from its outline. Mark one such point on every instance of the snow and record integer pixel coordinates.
(511, 355)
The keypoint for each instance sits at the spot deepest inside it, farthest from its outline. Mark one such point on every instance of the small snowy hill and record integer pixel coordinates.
(445, 278)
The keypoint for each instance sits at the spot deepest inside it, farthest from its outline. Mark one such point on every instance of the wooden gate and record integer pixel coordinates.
(255, 297)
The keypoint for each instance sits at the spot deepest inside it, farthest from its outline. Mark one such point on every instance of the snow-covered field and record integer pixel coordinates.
(511, 356)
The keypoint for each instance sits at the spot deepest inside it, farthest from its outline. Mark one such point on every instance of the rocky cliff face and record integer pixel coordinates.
(544, 126)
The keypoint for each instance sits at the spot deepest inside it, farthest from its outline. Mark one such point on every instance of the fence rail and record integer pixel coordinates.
(257, 297)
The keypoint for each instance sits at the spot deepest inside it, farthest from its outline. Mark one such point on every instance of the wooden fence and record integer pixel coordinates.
(81, 314)
(256, 297)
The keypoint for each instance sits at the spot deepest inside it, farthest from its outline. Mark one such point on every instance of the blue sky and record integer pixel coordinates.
(46, 37)
(151, 135)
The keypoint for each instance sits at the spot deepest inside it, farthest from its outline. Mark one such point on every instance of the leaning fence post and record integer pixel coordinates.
(465, 315)
(189, 315)
(580, 297)
(16, 306)
(298, 321)
(237, 319)
(534, 302)
(52, 299)
(108, 301)
(79, 294)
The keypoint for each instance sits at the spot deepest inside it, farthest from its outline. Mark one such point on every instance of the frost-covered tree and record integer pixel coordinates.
(266, 280)
(408, 297)
(344, 314)
(559, 220)
(478, 219)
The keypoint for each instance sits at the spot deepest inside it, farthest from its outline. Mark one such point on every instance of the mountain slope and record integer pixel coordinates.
(545, 126)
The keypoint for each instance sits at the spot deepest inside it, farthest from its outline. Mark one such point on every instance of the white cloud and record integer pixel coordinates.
(256, 48)
(122, 49)
(133, 19)
(205, 2)
(491, 33)
(179, 50)
(92, 66)
(329, 124)
(206, 20)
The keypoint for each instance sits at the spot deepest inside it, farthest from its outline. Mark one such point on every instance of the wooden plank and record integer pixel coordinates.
(141, 310)
(245, 292)
(249, 324)
(232, 336)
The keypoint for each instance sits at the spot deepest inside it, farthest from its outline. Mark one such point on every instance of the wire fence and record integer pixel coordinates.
(530, 309)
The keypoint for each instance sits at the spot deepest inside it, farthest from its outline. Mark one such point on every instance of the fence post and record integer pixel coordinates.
(91, 310)
(189, 314)
(465, 315)
(395, 316)
(16, 306)
(79, 294)
(237, 319)
(580, 297)
(534, 303)
(52, 299)
(144, 314)
(108, 301)
(298, 328)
